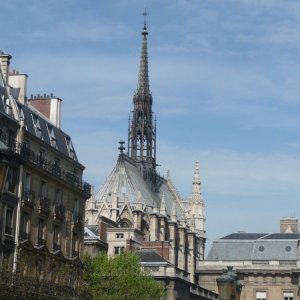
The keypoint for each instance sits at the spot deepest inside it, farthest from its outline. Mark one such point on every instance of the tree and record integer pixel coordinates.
(118, 278)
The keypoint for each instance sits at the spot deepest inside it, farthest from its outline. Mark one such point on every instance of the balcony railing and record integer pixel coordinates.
(44, 203)
(75, 253)
(55, 169)
(24, 236)
(41, 242)
(8, 230)
(51, 167)
(59, 211)
(77, 218)
(28, 197)
(56, 247)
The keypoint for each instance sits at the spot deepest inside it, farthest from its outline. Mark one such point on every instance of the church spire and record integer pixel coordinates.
(142, 135)
(196, 192)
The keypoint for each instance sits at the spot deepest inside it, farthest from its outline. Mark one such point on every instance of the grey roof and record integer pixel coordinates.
(255, 247)
(127, 181)
(60, 136)
(150, 256)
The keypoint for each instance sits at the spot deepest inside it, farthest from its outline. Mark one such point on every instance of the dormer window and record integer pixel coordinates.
(70, 147)
(37, 126)
(52, 136)
(8, 108)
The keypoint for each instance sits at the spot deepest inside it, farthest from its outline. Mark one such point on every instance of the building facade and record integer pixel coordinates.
(138, 210)
(267, 264)
(43, 194)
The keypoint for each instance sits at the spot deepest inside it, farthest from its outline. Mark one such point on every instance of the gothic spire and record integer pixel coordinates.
(142, 131)
(143, 79)
(196, 192)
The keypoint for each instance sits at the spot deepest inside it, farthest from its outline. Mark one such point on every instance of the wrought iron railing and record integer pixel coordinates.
(28, 196)
(41, 242)
(24, 236)
(59, 211)
(40, 161)
(56, 247)
(44, 203)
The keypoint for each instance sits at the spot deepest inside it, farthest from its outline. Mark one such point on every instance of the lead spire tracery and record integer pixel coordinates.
(141, 133)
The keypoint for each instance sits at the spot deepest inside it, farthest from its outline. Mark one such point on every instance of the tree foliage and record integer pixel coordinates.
(120, 277)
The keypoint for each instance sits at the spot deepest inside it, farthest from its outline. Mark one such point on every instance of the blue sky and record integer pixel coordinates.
(224, 75)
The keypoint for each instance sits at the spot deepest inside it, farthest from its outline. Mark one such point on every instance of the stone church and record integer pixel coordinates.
(137, 209)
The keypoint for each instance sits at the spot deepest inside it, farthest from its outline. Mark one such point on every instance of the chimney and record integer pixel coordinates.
(49, 106)
(289, 225)
(18, 84)
(4, 64)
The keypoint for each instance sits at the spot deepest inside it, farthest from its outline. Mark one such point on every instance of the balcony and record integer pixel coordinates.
(56, 247)
(24, 236)
(43, 204)
(41, 242)
(8, 230)
(54, 169)
(59, 212)
(28, 197)
(75, 253)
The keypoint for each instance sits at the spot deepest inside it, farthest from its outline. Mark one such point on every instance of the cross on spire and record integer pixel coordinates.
(145, 14)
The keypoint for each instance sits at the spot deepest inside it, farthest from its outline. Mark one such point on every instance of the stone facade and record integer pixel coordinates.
(43, 196)
(267, 265)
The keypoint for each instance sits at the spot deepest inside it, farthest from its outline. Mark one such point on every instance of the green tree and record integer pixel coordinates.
(118, 278)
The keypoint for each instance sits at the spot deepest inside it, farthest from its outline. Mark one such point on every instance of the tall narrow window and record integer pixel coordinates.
(37, 126)
(56, 238)
(58, 198)
(25, 226)
(9, 220)
(44, 189)
(52, 136)
(41, 233)
(70, 147)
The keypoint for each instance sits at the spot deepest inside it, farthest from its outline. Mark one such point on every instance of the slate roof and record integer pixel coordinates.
(150, 256)
(60, 136)
(255, 247)
(127, 181)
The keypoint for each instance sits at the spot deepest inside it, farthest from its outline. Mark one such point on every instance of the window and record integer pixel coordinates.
(119, 250)
(41, 232)
(27, 183)
(119, 235)
(56, 238)
(9, 220)
(37, 126)
(25, 226)
(44, 189)
(261, 295)
(52, 136)
(288, 296)
(70, 147)
(58, 197)
(11, 180)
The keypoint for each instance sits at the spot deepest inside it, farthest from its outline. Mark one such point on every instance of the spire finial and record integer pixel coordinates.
(145, 14)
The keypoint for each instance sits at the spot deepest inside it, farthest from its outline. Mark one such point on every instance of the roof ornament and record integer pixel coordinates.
(145, 14)
(121, 147)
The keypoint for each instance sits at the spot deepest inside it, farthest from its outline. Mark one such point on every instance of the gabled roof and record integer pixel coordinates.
(126, 180)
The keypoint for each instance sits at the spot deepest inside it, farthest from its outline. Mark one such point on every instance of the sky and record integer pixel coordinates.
(224, 76)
